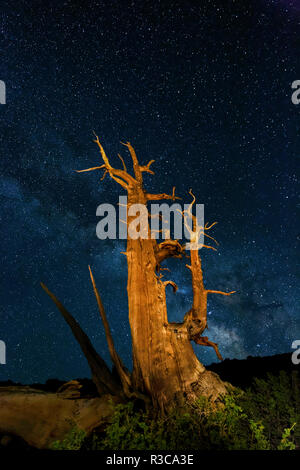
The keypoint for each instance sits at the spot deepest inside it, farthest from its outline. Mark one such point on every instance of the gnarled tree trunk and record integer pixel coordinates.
(164, 363)
(165, 367)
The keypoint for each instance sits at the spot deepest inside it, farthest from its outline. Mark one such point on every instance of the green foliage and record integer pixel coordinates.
(264, 417)
(275, 402)
(131, 429)
(73, 441)
(286, 443)
(258, 436)
(228, 427)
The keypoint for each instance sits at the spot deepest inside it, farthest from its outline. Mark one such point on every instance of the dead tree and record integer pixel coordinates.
(165, 367)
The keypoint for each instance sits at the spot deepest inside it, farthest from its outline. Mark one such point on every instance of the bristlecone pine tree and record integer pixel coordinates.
(166, 370)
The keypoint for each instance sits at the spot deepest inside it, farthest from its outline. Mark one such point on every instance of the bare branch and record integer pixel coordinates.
(136, 166)
(158, 197)
(168, 249)
(118, 180)
(123, 374)
(208, 247)
(204, 341)
(120, 176)
(210, 226)
(196, 231)
(91, 169)
(123, 163)
(110, 171)
(104, 174)
(208, 236)
(103, 154)
(220, 292)
(146, 168)
(101, 374)
(165, 269)
(171, 283)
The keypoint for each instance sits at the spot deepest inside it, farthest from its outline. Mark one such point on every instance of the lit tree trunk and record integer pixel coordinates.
(165, 367)
(196, 318)
(164, 363)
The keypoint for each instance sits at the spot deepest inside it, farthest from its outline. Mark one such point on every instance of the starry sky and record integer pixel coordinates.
(204, 88)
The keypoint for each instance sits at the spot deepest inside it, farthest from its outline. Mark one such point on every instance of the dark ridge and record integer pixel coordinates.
(239, 372)
(242, 372)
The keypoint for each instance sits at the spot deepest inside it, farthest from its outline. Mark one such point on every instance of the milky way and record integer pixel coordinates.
(206, 92)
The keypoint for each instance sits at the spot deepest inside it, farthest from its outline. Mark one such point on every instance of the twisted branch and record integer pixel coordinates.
(159, 197)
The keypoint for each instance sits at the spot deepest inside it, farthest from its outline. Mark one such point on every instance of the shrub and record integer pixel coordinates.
(264, 417)
(73, 441)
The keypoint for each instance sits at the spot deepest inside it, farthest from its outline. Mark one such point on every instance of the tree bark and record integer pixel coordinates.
(165, 367)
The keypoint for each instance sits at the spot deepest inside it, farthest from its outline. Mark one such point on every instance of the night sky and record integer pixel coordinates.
(204, 88)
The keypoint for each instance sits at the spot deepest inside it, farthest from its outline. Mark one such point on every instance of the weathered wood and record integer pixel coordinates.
(101, 375)
(164, 364)
(40, 418)
(121, 370)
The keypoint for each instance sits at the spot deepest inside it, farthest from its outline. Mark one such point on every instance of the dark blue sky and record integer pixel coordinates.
(205, 90)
